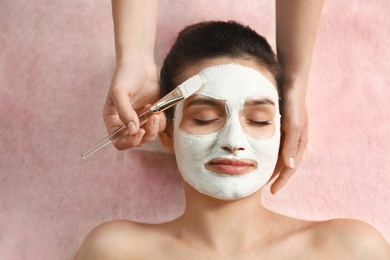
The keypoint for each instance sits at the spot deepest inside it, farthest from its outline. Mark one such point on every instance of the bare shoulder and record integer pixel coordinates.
(353, 238)
(114, 240)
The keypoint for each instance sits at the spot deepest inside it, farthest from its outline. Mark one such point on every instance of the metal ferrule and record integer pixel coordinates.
(168, 100)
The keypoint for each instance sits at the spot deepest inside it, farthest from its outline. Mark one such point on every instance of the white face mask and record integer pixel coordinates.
(233, 84)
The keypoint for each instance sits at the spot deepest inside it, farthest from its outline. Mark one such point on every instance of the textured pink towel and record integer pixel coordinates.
(56, 61)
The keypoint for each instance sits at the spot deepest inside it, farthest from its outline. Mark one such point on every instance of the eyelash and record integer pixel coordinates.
(256, 123)
(259, 123)
(204, 122)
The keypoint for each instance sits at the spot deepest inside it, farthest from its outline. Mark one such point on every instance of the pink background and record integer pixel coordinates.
(57, 59)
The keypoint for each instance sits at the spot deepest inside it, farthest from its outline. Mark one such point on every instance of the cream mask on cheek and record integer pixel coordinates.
(233, 84)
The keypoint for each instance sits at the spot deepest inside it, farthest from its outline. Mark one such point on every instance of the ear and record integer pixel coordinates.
(166, 136)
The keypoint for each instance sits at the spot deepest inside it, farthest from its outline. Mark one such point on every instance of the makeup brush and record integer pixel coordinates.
(184, 90)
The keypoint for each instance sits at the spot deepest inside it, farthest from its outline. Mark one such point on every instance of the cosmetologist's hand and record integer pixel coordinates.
(294, 135)
(133, 86)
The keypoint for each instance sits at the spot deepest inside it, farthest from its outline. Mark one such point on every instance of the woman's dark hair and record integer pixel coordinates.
(213, 39)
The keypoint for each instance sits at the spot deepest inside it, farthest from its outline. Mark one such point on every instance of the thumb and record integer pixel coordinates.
(126, 112)
(290, 149)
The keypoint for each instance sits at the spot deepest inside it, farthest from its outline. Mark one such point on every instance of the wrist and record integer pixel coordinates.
(294, 87)
(138, 57)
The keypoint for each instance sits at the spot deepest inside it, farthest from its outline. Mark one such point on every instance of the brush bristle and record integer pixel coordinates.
(191, 85)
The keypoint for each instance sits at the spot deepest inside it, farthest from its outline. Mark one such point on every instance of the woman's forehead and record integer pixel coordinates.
(221, 61)
(233, 82)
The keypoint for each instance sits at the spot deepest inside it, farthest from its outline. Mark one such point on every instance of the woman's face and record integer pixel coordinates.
(226, 136)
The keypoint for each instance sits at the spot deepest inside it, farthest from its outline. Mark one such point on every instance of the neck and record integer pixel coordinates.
(224, 225)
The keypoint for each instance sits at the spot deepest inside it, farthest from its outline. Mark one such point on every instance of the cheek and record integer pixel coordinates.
(258, 132)
(193, 149)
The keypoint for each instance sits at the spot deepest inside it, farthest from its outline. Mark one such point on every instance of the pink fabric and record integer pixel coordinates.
(56, 63)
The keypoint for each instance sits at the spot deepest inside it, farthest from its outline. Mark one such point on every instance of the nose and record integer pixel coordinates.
(231, 149)
(233, 138)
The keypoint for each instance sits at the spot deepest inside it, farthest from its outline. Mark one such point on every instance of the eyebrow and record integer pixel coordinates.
(262, 101)
(204, 101)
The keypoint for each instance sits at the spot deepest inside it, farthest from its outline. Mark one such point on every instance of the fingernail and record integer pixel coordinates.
(291, 162)
(131, 127)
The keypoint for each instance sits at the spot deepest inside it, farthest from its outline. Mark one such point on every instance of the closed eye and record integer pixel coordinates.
(204, 122)
(258, 123)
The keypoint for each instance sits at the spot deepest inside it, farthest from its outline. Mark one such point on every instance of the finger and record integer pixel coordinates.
(277, 184)
(126, 113)
(113, 123)
(129, 141)
(155, 124)
(110, 116)
(282, 179)
(290, 147)
(147, 135)
(163, 122)
(286, 172)
(151, 129)
(278, 168)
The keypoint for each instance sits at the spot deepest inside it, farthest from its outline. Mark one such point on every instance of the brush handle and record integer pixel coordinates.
(115, 136)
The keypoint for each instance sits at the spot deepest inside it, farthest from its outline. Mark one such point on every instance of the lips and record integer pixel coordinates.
(231, 166)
